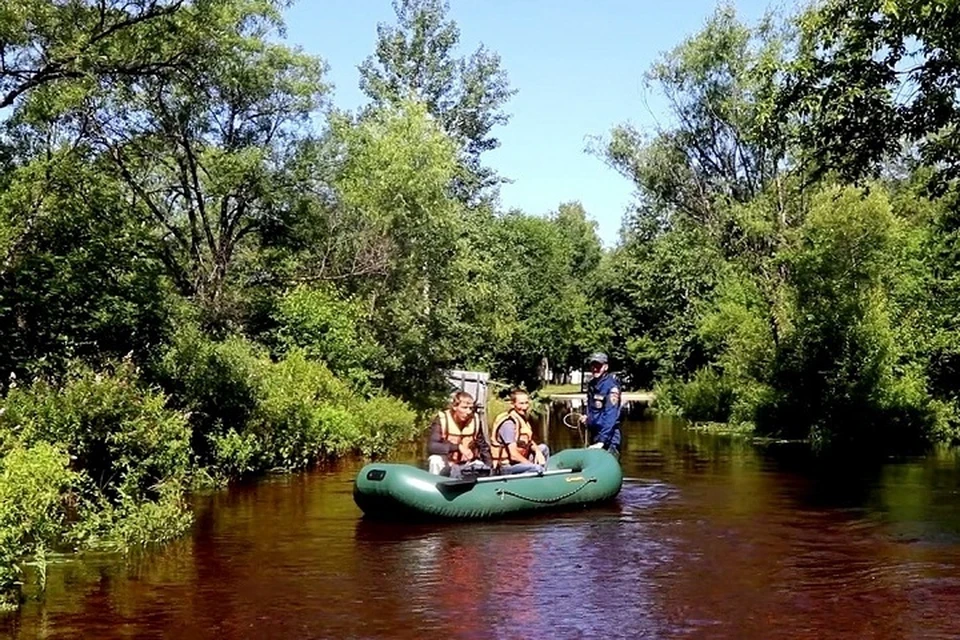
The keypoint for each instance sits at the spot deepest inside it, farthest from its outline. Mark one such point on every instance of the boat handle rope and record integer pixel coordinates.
(507, 492)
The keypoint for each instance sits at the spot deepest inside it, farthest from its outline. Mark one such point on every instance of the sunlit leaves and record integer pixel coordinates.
(416, 60)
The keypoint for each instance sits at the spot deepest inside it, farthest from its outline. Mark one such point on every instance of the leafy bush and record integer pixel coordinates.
(103, 523)
(234, 455)
(102, 445)
(81, 279)
(34, 482)
(306, 414)
(843, 374)
(301, 418)
(121, 436)
(384, 422)
(329, 329)
(217, 383)
(252, 414)
(707, 397)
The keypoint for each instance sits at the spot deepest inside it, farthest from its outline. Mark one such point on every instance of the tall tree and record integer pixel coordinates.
(875, 75)
(417, 59)
(711, 190)
(203, 141)
(44, 43)
(580, 235)
(548, 263)
(83, 280)
(724, 144)
(396, 166)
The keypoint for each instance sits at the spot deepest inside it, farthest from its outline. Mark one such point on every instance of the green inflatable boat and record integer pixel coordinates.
(573, 478)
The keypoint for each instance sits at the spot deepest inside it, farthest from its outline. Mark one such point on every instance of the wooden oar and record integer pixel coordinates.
(464, 482)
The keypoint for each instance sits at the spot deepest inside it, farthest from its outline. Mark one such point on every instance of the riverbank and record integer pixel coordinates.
(106, 459)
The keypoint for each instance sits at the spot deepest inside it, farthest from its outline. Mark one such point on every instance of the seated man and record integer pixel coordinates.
(512, 446)
(457, 440)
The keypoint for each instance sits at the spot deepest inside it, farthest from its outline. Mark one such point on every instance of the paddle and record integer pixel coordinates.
(465, 482)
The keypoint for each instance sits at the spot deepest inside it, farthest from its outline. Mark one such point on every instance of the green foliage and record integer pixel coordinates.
(842, 368)
(79, 278)
(65, 48)
(711, 200)
(415, 60)
(754, 295)
(34, 481)
(873, 76)
(122, 438)
(251, 414)
(235, 455)
(726, 145)
(396, 168)
(707, 397)
(300, 417)
(397, 165)
(99, 462)
(384, 422)
(654, 290)
(191, 105)
(327, 328)
(118, 525)
(549, 264)
(306, 414)
(214, 382)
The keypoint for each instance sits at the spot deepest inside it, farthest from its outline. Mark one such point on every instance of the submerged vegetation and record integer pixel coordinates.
(207, 271)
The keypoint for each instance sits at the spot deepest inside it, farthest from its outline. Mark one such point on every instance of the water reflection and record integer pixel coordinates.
(712, 536)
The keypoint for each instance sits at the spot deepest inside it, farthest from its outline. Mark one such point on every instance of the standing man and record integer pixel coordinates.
(512, 446)
(456, 439)
(603, 406)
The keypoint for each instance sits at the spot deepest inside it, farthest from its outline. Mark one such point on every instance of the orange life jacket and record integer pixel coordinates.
(455, 434)
(498, 449)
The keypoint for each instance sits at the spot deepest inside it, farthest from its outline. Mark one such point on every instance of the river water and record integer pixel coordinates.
(711, 537)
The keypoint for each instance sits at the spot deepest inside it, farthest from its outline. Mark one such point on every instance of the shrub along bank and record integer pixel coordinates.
(102, 459)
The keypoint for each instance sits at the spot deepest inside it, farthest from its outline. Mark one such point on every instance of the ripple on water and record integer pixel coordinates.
(707, 538)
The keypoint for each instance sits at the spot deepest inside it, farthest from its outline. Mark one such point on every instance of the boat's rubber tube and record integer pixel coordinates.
(573, 477)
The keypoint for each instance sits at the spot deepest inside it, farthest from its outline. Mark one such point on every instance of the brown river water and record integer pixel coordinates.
(711, 537)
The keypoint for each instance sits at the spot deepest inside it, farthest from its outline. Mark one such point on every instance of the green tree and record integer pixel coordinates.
(328, 328)
(654, 288)
(580, 236)
(416, 60)
(872, 76)
(843, 375)
(548, 265)
(726, 143)
(202, 144)
(396, 166)
(584, 253)
(81, 278)
(55, 47)
(712, 194)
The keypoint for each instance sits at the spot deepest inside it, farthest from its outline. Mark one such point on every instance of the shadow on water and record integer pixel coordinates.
(711, 536)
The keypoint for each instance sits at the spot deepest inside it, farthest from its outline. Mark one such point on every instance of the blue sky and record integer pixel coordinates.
(577, 65)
